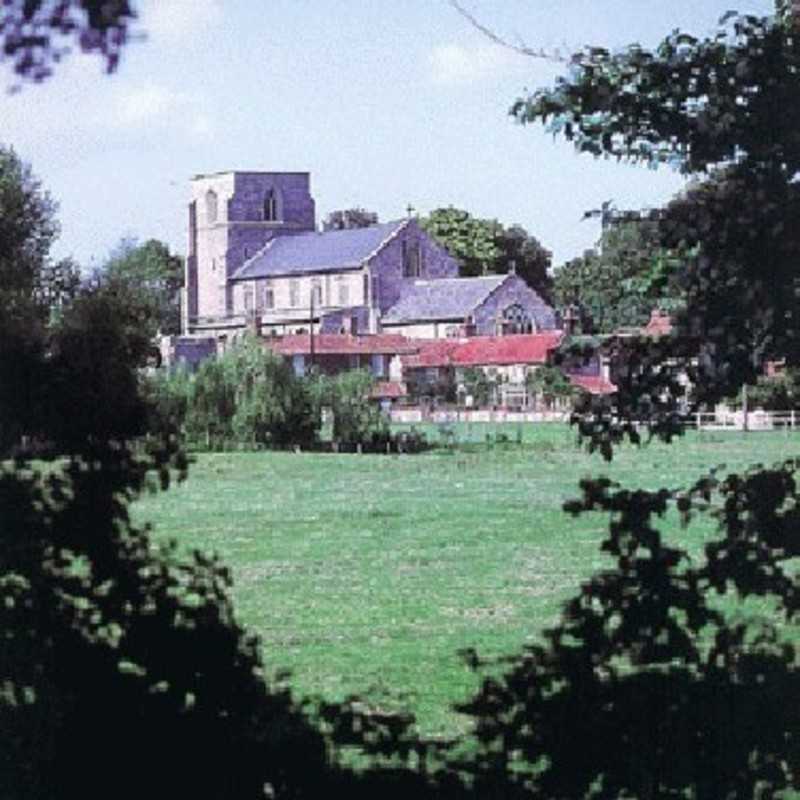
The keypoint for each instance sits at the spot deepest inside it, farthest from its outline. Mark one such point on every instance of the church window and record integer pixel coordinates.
(294, 292)
(517, 320)
(211, 206)
(366, 288)
(412, 259)
(271, 210)
(248, 298)
(344, 291)
(269, 295)
(316, 291)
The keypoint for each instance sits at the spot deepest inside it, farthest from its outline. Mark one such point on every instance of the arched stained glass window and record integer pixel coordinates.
(517, 320)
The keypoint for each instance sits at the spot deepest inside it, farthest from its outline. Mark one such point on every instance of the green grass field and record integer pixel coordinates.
(366, 574)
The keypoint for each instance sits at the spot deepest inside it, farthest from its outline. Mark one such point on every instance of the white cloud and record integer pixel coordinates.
(156, 107)
(171, 20)
(144, 104)
(201, 125)
(454, 63)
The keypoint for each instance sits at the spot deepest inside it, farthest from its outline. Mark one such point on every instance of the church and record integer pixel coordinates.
(257, 261)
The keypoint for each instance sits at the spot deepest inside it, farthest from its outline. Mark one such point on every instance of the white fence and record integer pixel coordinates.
(415, 415)
(707, 421)
(757, 420)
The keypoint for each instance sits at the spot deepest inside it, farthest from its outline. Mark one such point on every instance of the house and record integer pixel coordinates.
(255, 258)
(380, 354)
(502, 363)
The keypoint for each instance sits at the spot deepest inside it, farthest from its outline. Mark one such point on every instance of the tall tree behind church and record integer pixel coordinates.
(348, 218)
(486, 246)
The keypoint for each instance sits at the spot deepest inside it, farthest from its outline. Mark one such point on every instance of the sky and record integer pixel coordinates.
(386, 104)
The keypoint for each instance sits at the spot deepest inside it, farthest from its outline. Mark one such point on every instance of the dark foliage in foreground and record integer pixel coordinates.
(124, 673)
(36, 34)
(646, 688)
(725, 111)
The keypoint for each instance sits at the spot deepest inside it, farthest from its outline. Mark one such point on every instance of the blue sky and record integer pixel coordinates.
(384, 103)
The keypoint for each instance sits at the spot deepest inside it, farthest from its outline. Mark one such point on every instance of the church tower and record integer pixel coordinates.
(232, 215)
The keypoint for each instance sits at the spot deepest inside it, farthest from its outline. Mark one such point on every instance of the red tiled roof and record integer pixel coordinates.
(388, 389)
(531, 348)
(594, 384)
(431, 353)
(339, 344)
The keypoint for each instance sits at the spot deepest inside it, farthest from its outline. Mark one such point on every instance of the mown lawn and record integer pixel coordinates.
(366, 574)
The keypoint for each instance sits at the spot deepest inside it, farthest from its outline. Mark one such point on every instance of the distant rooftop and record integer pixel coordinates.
(340, 344)
(522, 348)
(445, 298)
(248, 172)
(317, 252)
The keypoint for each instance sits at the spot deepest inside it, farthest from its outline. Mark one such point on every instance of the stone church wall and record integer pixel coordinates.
(387, 266)
(512, 291)
(239, 231)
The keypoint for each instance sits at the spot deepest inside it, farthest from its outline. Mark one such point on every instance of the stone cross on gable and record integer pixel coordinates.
(410, 210)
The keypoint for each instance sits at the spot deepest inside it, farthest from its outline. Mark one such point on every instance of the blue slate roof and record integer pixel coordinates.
(317, 252)
(447, 298)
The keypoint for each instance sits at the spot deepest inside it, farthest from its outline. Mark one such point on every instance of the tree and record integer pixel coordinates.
(478, 386)
(468, 239)
(649, 686)
(357, 418)
(527, 257)
(31, 285)
(273, 405)
(549, 384)
(28, 229)
(619, 284)
(36, 34)
(482, 245)
(122, 667)
(349, 218)
(707, 107)
(245, 396)
(148, 279)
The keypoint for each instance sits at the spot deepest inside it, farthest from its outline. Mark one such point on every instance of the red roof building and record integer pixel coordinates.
(431, 353)
(594, 384)
(506, 350)
(340, 344)
(477, 351)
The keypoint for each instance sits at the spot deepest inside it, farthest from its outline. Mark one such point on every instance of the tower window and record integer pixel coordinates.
(211, 206)
(270, 206)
